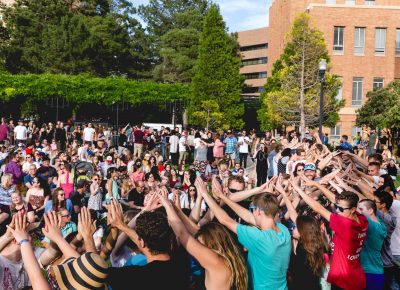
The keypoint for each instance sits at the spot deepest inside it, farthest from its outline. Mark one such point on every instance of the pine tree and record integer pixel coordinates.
(217, 75)
(292, 92)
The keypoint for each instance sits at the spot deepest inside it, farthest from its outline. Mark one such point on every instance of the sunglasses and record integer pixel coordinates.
(300, 170)
(252, 208)
(35, 181)
(192, 189)
(61, 194)
(95, 179)
(341, 209)
(232, 190)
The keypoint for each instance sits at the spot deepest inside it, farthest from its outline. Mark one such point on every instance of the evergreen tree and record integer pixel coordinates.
(174, 29)
(58, 36)
(217, 75)
(292, 92)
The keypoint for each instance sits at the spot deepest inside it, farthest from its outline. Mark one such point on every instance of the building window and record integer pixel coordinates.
(330, 2)
(336, 132)
(398, 41)
(338, 39)
(356, 99)
(380, 41)
(355, 130)
(359, 40)
(253, 61)
(258, 75)
(339, 95)
(378, 83)
(254, 47)
(351, 2)
(261, 89)
(369, 2)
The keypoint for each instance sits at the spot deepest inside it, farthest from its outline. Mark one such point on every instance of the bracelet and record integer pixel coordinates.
(23, 241)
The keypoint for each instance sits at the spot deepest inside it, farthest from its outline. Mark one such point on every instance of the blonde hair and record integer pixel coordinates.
(5, 179)
(217, 238)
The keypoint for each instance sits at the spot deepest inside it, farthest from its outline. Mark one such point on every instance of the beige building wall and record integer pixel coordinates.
(254, 49)
(347, 64)
(8, 2)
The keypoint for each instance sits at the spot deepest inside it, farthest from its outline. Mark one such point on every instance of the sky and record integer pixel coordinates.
(239, 14)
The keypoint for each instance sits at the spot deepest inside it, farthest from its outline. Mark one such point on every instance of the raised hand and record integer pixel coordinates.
(308, 181)
(19, 231)
(11, 226)
(152, 203)
(201, 186)
(52, 226)
(115, 216)
(162, 194)
(86, 227)
(216, 188)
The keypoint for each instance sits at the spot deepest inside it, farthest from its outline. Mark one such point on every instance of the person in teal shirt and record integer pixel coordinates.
(371, 260)
(268, 243)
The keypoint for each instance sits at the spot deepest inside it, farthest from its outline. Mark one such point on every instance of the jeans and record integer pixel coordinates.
(243, 159)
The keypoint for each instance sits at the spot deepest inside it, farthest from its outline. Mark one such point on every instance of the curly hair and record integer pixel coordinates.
(154, 230)
(350, 198)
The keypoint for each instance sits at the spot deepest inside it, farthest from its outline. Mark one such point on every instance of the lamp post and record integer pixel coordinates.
(321, 74)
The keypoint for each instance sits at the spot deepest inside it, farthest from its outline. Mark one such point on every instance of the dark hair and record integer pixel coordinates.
(369, 204)
(384, 197)
(376, 164)
(297, 165)
(345, 137)
(67, 166)
(110, 171)
(236, 178)
(350, 197)
(287, 152)
(387, 183)
(153, 228)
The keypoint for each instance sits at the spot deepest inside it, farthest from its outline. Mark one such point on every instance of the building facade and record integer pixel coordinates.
(253, 47)
(363, 40)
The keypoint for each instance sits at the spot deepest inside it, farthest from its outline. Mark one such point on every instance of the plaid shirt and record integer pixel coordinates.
(230, 144)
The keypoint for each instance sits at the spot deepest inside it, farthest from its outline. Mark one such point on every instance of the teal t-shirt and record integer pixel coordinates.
(371, 259)
(268, 258)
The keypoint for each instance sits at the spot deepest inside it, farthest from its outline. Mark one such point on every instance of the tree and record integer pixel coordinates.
(174, 28)
(382, 109)
(217, 72)
(210, 114)
(58, 36)
(292, 92)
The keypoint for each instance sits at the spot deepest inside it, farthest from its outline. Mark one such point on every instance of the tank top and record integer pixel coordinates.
(67, 187)
(115, 190)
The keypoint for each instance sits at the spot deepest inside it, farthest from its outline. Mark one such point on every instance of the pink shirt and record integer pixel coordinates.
(218, 149)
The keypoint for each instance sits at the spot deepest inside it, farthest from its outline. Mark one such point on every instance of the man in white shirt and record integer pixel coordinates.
(173, 147)
(83, 152)
(243, 144)
(88, 133)
(182, 148)
(20, 133)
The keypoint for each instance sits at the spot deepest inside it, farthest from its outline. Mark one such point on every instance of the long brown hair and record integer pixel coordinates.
(217, 238)
(313, 243)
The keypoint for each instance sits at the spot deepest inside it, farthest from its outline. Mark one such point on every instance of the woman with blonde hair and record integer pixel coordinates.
(214, 249)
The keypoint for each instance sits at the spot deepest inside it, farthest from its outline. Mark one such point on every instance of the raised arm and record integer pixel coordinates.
(219, 213)
(328, 194)
(205, 256)
(315, 205)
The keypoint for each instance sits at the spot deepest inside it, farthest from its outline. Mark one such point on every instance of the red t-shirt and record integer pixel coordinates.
(346, 271)
(139, 134)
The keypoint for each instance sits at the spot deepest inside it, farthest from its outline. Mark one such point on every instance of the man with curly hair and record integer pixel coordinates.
(154, 238)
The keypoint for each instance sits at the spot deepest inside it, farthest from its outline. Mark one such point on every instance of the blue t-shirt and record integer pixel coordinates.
(371, 259)
(136, 260)
(268, 258)
(48, 206)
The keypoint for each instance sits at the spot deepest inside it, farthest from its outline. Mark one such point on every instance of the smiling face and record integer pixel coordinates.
(16, 198)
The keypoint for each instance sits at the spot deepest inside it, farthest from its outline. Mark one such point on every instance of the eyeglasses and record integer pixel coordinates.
(300, 169)
(28, 157)
(232, 190)
(341, 209)
(252, 208)
(192, 189)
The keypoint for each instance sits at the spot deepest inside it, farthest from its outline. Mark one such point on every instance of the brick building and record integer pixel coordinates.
(253, 48)
(363, 40)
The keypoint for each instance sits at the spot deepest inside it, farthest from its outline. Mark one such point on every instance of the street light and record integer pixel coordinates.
(321, 74)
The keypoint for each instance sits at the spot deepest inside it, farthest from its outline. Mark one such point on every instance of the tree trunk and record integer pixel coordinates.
(302, 113)
(185, 118)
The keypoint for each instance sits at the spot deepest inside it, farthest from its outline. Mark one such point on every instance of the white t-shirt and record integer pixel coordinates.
(88, 134)
(196, 143)
(20, 132)
(183, 199)
(12, 275)
(244, 147)
(173, 141)
(82, 153)
(182, 145)
(395, 239)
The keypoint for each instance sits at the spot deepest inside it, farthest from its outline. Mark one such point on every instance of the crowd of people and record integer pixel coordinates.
(195, 209)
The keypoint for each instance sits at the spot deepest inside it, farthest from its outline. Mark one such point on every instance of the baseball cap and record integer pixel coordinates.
(109, 158)
(307, 132)
(310, 166)
(178, 185)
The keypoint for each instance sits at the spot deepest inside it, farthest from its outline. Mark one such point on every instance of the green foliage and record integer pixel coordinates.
(295, 74)
(58, 36)
(382, 108)
(210, 116)
(217, 72)
(174, 28)
(81, 89)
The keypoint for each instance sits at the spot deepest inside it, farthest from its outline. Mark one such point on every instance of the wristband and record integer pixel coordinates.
(23, 241)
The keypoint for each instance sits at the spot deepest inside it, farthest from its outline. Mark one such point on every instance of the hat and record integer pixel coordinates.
(109, 158)
(89, 271)
(184, 133)
(178, 185)
(81, 183)
(307, 132)
(310, 166)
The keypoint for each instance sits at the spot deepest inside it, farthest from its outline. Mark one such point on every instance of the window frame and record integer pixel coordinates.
(380, 81)
(356, 99)
(340, 35)
(380, 51)
(361, 46)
